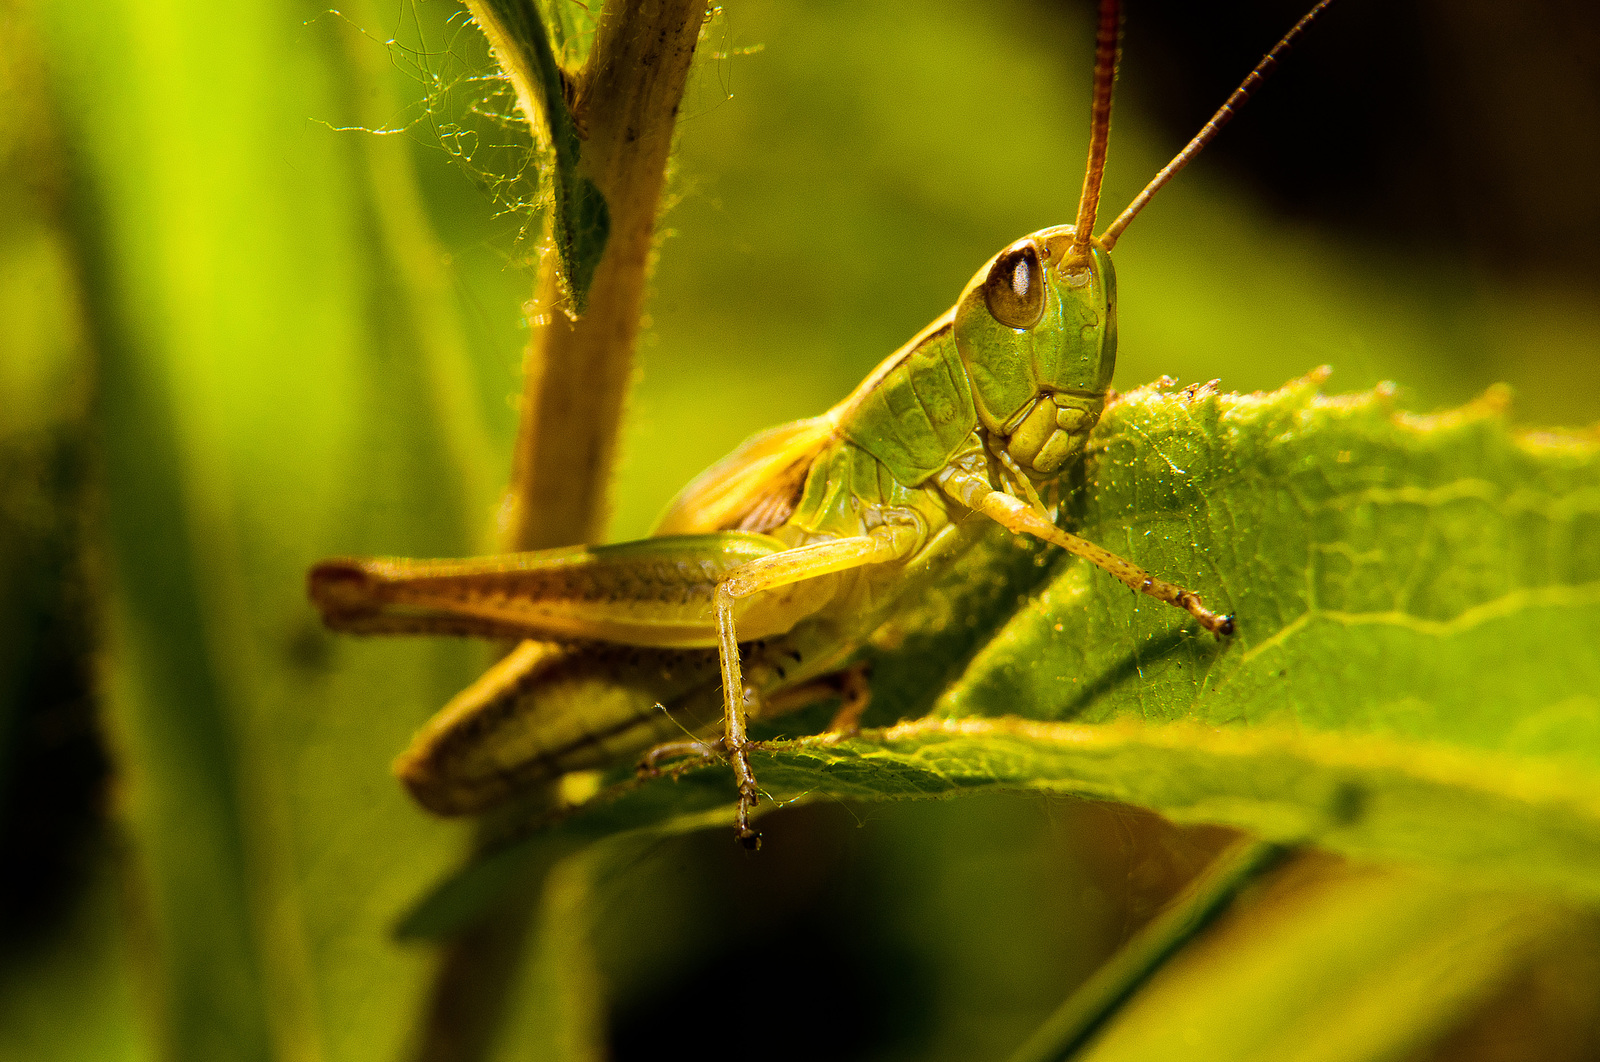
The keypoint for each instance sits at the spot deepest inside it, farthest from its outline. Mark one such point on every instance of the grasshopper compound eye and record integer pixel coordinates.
(1014, 290)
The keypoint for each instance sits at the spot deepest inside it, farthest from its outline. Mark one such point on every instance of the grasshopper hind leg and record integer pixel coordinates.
(693, 752)
(546, 709)
(849, 686)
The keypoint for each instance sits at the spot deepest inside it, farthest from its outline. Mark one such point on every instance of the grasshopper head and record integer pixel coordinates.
(1037, 331)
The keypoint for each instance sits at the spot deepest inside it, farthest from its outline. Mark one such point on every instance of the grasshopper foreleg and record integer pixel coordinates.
(689, 749)
(1017, 516)
(889, 542)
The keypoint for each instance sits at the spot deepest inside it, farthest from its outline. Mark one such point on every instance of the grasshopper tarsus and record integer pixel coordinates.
(748, 797)
(1189, 601)
(854, 697)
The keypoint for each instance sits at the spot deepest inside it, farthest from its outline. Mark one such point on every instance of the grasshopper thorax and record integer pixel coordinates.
(1037, 332)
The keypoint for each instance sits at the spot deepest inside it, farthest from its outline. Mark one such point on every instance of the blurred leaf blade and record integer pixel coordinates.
(627, 810)
(62, 945)
(1084, 1013)
(262, 276)
(1359, 965)
(76, 998)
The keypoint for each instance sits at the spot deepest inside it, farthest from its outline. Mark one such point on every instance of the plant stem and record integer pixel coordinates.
(579, 367)
(577, 371)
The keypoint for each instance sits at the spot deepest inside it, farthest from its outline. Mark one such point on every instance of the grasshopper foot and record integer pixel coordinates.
(1189, 601)
(749, 796)
(749, 838)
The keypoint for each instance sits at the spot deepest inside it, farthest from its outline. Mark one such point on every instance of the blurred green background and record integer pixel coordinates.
(255, 313)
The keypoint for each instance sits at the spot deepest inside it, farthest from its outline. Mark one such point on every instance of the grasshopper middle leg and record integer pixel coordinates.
(889, 542)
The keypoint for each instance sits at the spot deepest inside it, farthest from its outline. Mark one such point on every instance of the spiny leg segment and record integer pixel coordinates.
(887, 543)
(975, 493)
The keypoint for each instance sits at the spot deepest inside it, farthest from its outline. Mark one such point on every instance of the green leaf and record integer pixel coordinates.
(521, 42)
(1085, 1013)
(1413, 678)
(65, 978)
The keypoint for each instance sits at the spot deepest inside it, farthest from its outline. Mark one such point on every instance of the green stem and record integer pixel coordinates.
(1087, 1010)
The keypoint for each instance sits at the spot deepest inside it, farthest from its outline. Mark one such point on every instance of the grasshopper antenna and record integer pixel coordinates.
(1268, 63)
(1107, 50)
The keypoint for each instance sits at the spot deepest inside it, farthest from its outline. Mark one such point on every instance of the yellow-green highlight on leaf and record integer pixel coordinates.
(1499, 819)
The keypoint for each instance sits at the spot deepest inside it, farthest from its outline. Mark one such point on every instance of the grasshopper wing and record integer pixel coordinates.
(755, 488)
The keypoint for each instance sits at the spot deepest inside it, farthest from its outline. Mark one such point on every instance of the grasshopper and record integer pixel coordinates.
(770, 570)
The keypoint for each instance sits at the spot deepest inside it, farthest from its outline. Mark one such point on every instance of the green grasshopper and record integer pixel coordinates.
(771, 569)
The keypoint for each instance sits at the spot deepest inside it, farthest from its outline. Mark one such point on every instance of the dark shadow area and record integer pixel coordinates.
(793, 971)
(1471, 127)
(859, 1000)
(53, 768)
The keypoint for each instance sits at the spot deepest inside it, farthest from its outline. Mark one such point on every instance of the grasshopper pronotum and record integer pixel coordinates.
(771, 568)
